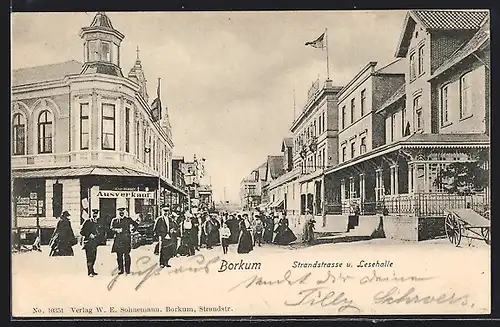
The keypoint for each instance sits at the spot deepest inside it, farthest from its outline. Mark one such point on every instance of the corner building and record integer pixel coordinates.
(80, 129)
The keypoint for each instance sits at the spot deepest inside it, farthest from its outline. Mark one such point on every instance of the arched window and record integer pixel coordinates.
(45, 132)
(18, 134)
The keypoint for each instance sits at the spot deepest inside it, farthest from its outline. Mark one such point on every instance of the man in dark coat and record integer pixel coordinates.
(62, 240)
(122, 244)
(91, 240)
(166, 231)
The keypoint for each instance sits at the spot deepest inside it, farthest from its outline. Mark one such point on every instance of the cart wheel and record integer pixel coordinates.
(453, 230)
(485, 232)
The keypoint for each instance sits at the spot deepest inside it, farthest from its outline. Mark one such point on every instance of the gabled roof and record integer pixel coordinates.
(44, 73)
(438, 20)
(275, 166)
(400, 93)
(481, 37)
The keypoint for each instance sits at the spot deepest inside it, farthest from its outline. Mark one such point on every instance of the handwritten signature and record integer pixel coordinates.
(154, 269)
(320, 296)
(395, 296)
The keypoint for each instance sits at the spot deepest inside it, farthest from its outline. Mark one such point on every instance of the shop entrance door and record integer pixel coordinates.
(107, 211)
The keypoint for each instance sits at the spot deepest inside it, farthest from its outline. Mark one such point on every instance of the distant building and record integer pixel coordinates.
(251, 188)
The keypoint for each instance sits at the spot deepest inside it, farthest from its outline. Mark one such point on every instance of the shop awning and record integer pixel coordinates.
(263, 205)
(87, 171)
(80, 171)
(277, 204)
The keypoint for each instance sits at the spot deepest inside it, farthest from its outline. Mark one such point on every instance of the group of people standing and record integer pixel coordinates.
(176, 234)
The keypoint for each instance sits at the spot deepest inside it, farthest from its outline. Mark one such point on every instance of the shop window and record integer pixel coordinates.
(19, 134)
(45, 132)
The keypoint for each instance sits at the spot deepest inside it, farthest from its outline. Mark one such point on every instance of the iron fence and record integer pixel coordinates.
(418, 204)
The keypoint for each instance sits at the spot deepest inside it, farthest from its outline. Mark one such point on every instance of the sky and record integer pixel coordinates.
(232, 81)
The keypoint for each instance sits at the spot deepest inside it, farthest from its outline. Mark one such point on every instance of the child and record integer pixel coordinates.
(225, 233)
(258, 231)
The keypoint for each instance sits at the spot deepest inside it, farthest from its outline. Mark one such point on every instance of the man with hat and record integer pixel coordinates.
(91, 240)
(166, 231)
(122, 244)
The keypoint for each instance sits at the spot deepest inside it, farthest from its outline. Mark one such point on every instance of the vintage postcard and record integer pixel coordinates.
(229, 164)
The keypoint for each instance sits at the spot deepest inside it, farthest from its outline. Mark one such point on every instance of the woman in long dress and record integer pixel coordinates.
(245, 239)
(308, 232)
(62, 240)
(284, 234)
(268, 229)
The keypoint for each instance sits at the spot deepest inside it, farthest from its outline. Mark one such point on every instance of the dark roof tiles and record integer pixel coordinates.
(451, 19)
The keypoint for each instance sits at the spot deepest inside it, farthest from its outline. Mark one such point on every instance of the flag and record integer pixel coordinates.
(156, 105)
(318, 43)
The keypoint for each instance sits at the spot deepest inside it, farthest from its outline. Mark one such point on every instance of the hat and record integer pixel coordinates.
(95, 210)
(65, 214)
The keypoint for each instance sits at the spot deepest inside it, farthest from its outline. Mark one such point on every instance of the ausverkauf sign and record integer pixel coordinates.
(126, 194)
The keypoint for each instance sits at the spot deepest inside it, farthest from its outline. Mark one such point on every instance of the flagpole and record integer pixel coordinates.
(327, 59)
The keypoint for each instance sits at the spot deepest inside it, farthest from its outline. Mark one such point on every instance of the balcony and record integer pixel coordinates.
(312, 144)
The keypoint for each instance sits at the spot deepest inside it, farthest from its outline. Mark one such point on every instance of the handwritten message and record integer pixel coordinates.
(148, 267)
(343, 290)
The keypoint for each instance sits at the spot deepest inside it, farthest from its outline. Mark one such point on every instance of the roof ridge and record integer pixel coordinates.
(392, 62)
